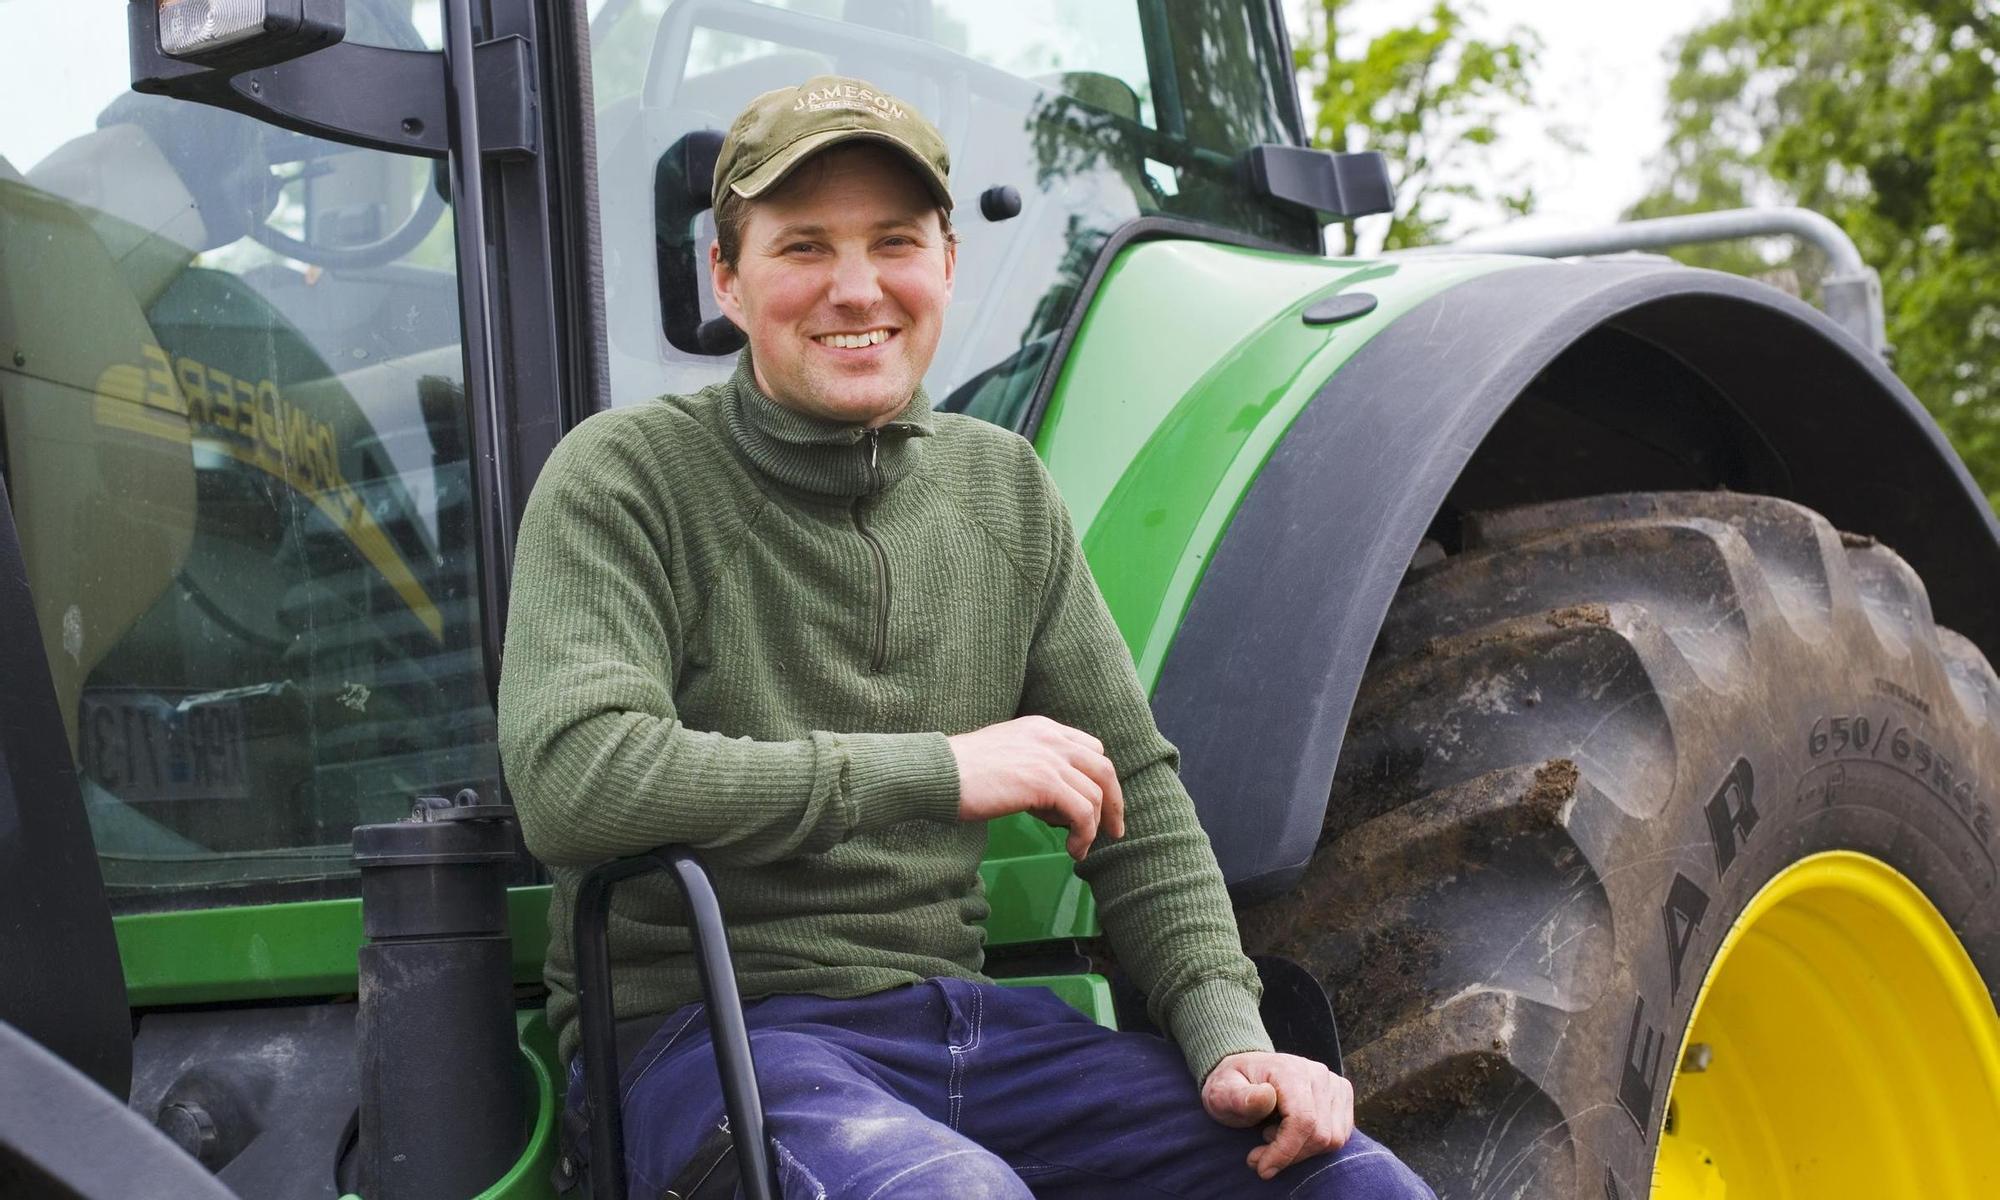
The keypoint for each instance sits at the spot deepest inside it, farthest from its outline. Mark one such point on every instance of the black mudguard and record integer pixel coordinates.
(1257, 688)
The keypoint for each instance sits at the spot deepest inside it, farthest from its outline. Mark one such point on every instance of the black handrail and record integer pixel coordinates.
(729, 1033)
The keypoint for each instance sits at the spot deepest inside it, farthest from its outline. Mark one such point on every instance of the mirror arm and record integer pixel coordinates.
(377, 97)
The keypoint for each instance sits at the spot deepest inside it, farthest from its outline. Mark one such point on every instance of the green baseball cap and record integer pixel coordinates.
(781, 129)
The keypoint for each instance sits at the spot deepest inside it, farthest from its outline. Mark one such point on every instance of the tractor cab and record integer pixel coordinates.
(272, 396)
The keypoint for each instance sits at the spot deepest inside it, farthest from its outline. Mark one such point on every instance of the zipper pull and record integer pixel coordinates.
(874, 447)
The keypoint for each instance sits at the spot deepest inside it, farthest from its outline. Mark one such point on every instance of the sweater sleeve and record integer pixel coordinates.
(596, 757)
(1159, 891)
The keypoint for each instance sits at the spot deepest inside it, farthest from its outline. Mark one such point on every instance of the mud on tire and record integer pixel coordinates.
(1583, 744)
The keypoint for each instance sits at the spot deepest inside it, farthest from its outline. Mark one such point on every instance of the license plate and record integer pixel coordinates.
(149, 745)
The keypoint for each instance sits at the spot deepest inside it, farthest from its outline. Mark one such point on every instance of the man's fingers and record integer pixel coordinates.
(1310, 1126)
(1110, 796)
(1099, 767)
(1082, 753)
(1114, 801)
(1294, 1132)
(1084, 784)
(1342, 1107)
(1293, 1141)
(1314, 1107)
(1239, 1103)
(1071, 733)
(1079, 813)
(1112, 807)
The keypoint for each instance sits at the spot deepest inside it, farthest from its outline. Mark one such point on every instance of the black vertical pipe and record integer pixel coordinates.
(602, 1110)
(491, 487)
(442, 1096)
(729, 1033)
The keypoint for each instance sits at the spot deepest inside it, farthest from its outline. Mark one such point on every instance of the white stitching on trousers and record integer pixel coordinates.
(1338, 1162)
(920, 1166)
(819, 1189)
(955, 1087)
(694, 1012)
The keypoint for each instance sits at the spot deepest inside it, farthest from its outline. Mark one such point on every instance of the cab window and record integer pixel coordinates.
(231, 426)
(1097, 115)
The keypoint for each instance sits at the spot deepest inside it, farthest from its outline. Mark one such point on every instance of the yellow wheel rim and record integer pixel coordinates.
(1843, 1047)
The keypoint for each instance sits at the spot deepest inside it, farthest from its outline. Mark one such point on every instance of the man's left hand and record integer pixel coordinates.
(1311, 1109)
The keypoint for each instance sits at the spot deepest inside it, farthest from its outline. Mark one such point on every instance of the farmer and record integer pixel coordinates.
(823, 634)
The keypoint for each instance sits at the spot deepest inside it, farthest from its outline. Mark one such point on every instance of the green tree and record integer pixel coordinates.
(1885, 116)
(1432, 97)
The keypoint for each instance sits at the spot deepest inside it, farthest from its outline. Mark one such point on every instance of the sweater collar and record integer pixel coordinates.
(813, 454)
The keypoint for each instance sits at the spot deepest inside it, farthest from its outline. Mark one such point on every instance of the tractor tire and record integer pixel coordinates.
(1584, 746)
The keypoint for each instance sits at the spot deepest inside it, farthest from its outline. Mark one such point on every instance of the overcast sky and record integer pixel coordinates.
(1603, 74)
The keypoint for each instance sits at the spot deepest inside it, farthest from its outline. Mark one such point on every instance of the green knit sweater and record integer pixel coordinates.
(748, 630)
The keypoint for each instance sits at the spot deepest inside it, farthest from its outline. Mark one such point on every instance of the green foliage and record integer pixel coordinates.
(1885, 116)
(1431, 97)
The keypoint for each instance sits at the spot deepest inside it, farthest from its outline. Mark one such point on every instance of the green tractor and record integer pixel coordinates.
(1582, 668)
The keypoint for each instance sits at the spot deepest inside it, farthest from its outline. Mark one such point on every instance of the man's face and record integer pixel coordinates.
(848, 250)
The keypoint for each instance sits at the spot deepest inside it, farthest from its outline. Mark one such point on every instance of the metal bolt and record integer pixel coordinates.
(20, 358)
(188, 1125)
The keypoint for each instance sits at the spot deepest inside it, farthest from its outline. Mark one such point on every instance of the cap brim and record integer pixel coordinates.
(773, 170)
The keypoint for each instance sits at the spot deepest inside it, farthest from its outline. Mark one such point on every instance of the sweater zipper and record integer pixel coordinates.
(881, 556)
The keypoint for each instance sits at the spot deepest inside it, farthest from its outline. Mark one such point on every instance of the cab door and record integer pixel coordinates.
(264, 505)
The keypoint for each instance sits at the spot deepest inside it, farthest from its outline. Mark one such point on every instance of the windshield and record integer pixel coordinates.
(1097, 114)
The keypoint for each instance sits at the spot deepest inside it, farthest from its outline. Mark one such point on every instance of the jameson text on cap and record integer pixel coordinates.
(781, 129)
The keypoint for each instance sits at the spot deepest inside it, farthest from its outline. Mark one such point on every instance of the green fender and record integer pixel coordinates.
(1252, 488)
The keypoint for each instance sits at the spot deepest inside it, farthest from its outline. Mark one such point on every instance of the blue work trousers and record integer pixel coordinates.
(964, 1090)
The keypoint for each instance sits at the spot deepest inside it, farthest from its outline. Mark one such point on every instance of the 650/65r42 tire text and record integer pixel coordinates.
(1662, 860)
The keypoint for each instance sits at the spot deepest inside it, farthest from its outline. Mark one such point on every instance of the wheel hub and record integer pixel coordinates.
(1844, 1047)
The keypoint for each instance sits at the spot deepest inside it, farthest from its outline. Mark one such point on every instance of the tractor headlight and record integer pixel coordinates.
(191, 28)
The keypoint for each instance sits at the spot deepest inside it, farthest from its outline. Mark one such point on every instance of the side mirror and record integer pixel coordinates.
(232, 35)
(681, 184)
(1337, 186)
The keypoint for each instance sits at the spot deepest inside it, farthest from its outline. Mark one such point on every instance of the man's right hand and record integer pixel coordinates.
(1036, 765)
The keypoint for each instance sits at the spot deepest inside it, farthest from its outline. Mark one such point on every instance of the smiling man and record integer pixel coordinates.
(823, 634)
